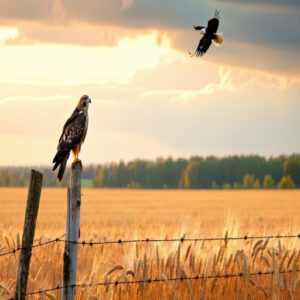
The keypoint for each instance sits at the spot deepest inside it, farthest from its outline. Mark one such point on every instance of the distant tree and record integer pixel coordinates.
(249, 181)
(214, 185)
(268, 182)
(237, 186)
(226, 186)
(292, 168)
(195, 172)
(101, 180)
(190, 177)
(256, 184)
(134, 185)
(286, 182)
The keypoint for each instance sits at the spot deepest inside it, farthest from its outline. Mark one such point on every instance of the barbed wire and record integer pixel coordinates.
(15, 250)
(40, 244)
(182, 239)
(149, 240)
(156, 280)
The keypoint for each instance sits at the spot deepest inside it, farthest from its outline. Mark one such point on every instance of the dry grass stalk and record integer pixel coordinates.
(162, 260)
(114, 269)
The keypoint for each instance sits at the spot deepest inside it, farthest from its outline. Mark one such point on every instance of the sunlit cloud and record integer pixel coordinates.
(8, 34)
(81, 63)
(30, 98)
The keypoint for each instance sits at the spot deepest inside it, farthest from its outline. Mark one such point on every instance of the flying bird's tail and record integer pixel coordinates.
(192, 54)
(60, 160)
(218, 40)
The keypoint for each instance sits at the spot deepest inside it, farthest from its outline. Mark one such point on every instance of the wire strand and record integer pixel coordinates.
(15, 250)
(149, 240)
(182, 239)
(156, 280)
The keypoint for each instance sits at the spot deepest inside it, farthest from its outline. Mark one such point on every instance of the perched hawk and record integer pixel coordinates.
(73, 135)
(209, 34)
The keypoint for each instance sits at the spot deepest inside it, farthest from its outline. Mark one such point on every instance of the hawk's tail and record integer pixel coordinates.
(60, 160)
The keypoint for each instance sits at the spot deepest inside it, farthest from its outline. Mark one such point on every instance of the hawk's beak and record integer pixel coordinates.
(89, 100)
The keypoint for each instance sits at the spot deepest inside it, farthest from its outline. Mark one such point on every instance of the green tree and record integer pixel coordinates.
(286, 182)
(249, 181)
(268, 182)
(292, 168)
(190, 177)
(237, 186)
(214, 185)
(226, 186)
(256, 184)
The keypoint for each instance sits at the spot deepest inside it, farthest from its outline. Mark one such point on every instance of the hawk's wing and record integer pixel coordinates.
(69, 121)
(74, 131)
(204, 44)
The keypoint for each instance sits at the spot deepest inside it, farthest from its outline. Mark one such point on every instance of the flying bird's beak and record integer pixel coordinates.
(88, 100)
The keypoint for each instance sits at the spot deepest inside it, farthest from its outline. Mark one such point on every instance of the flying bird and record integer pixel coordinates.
(209, 34)
(72, 137)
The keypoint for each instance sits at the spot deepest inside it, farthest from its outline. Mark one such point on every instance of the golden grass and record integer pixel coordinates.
(126, 214)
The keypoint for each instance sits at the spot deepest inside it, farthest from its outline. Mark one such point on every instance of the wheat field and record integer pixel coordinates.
(127, 214)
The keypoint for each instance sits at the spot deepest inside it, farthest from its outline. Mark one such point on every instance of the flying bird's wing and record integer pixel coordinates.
(204, 44)
(198, 27)
(213, 24)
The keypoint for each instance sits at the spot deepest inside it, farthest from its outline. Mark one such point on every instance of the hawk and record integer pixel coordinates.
(209, 34)
(72, 137)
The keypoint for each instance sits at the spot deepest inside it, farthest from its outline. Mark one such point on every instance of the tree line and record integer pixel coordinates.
(231, 172)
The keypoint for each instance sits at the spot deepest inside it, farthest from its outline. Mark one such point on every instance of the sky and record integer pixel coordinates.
(149, 97)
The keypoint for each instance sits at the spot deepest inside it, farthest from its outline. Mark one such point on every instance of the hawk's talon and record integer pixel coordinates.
(75, 162)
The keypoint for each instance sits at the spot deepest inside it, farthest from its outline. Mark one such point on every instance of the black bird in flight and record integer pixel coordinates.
(209, 34)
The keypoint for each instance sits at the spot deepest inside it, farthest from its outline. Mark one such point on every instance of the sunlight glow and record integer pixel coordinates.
(8, 33)
(80, 63)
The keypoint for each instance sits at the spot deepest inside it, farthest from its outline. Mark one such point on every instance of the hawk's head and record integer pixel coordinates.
(83, 103)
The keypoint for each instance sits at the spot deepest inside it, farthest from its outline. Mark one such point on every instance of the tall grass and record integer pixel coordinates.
(114, 214)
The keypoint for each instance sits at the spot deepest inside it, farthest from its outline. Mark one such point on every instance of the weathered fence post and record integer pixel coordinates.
(32, 209)
(72, 233)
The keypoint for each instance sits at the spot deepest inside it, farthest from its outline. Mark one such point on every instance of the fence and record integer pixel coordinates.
(157, 240)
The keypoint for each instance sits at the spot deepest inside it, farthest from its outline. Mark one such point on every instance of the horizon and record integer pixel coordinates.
(174, 158)
(149, 98)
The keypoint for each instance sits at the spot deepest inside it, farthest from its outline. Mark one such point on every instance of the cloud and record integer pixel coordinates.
(29, 9)
(105, 23)
(291, 4)
(8, 33)
(126, 4)
(70, 33)
(23, 98)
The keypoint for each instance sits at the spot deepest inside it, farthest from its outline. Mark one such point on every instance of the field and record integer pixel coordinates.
(127, 214)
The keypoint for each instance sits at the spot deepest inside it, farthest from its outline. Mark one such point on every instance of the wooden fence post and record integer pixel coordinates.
(32, 208)
(72, 233)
